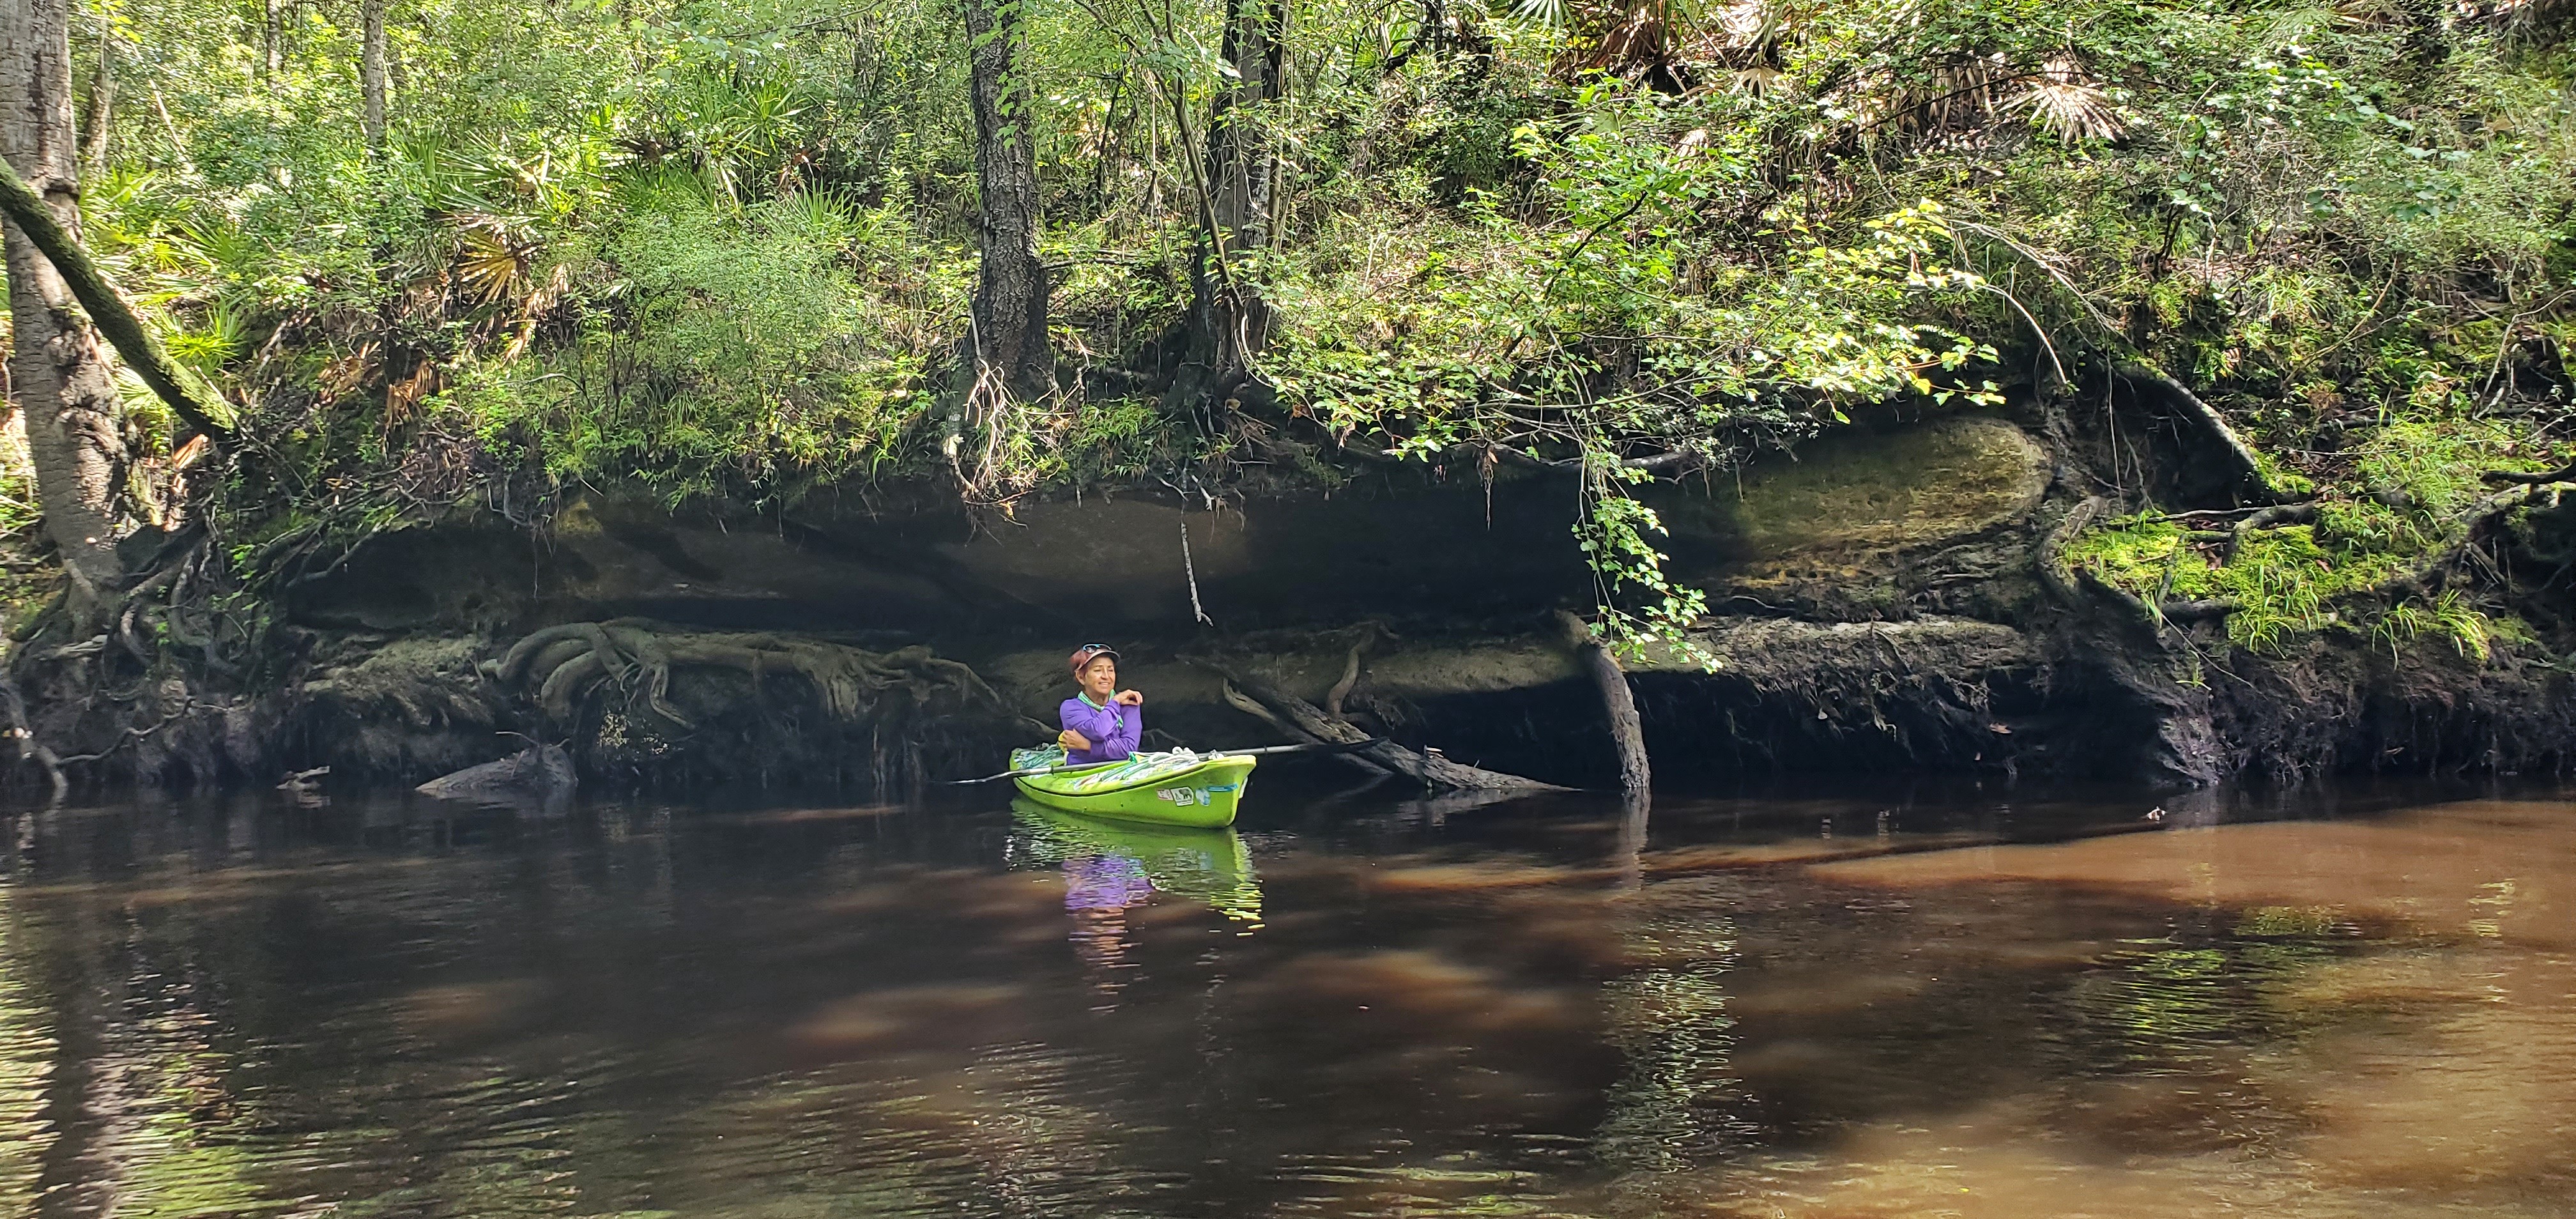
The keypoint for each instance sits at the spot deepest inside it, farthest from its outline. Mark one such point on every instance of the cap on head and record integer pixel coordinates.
(1089, 652)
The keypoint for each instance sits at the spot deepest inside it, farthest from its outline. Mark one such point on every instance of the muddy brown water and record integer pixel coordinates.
(2351, 1002)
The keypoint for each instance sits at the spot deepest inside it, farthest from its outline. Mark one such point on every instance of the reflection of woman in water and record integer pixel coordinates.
(1104, 882)
(1097, 891)
(1109, 867)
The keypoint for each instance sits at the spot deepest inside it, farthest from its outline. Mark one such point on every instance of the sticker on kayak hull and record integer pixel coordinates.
(1191, 795)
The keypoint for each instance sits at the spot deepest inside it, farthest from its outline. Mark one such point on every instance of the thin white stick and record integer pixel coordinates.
(1191, 570)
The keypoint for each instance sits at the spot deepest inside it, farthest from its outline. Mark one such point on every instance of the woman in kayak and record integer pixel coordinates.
(1103, 722)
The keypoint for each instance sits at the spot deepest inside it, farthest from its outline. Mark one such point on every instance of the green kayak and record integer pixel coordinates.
(1176, 788)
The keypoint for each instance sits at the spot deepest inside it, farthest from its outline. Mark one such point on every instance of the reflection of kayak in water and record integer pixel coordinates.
(1106, 862)
(1177, 788)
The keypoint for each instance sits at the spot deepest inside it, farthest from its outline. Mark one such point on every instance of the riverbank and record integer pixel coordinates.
(1896, 597)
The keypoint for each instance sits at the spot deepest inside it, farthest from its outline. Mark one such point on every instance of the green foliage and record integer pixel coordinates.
(752, 356)
(724, 247)
(1633, 327)
(2288, 583)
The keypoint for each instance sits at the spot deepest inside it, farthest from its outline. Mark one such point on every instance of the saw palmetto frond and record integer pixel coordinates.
(1758, 80)
(492, 262)
(2068, 104)
(1549, 13)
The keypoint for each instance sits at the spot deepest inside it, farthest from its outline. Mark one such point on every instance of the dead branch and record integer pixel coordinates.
(1303, 719)
(1248, 705)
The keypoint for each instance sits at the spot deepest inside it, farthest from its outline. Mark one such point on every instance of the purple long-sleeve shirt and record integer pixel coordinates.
(1112, 730)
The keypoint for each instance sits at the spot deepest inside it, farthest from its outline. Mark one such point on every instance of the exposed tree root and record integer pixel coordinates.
(2051, 559)
(2213, 427)
(654, 699)
(29, 748)
(2470, 530)
(2271, 517)
(567, 663)
(1368, 635)
(2563, 474)
(132, 670)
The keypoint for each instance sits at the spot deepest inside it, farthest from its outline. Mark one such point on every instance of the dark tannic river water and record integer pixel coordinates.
(1990, 1003)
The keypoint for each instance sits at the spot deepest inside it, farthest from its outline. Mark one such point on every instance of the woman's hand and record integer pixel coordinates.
(1072, 740)
(1129, 698)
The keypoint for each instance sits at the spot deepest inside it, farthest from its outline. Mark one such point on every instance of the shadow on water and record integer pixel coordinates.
(1809, 1001)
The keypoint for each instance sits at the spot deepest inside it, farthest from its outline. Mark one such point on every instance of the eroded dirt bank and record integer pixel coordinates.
(1889, 598)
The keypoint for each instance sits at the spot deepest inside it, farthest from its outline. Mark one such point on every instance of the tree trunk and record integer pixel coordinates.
(371, 68)
(1618, 703)
(1238, 160)
(57, 373)
(273, 41)
(1010, 307)
(1226, 319)
(102, 106)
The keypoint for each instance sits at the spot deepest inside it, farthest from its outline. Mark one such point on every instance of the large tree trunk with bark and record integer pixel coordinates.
(58, 374)
(371, 68)
(1010, 340)
(1226, 318)
(1240, 163)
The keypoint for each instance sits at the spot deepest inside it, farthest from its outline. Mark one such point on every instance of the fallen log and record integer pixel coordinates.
(1298, 718)
(182, 391)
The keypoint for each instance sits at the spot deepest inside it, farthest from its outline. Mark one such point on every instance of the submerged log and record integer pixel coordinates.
(539, 772)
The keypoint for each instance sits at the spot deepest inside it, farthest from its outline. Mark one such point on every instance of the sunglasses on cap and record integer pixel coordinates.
(1089, 652)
